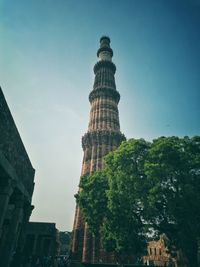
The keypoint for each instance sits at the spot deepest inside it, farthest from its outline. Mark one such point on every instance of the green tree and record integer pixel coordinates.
(172, 169)
(146, 186)
(125, 173)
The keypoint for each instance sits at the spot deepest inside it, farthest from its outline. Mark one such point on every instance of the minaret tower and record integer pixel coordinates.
(103, 136)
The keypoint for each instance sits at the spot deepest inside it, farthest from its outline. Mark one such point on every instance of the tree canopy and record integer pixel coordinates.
(146, 188)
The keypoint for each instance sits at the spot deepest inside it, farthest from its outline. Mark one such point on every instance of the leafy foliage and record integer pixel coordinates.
(173, 176)
(125, 172)
(92, 199)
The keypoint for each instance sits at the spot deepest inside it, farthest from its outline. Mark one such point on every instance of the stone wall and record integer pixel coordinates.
(12, 147)
(16, 189)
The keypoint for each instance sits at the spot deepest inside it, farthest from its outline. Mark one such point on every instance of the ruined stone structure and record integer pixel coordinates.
(16, 187)
(158, 254)
(103, 136)
(42, 240)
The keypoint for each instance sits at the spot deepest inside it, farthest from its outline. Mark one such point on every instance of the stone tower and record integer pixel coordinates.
(103, 136)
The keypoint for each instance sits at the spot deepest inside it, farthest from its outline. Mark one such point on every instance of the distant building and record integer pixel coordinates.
(42, 240)
(158, 254)
(16, 187)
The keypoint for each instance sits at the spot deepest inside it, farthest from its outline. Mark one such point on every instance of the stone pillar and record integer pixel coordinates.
(27, 210)
(10, 244)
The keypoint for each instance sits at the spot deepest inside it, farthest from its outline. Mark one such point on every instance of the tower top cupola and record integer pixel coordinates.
(105, 52)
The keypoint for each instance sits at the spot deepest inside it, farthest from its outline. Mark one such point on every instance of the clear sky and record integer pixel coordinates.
(47, 52)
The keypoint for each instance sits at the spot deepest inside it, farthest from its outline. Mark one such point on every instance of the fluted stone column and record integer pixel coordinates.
(27, 210)
(103, 136)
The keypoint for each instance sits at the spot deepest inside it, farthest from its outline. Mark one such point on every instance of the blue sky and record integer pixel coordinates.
(47, 52)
